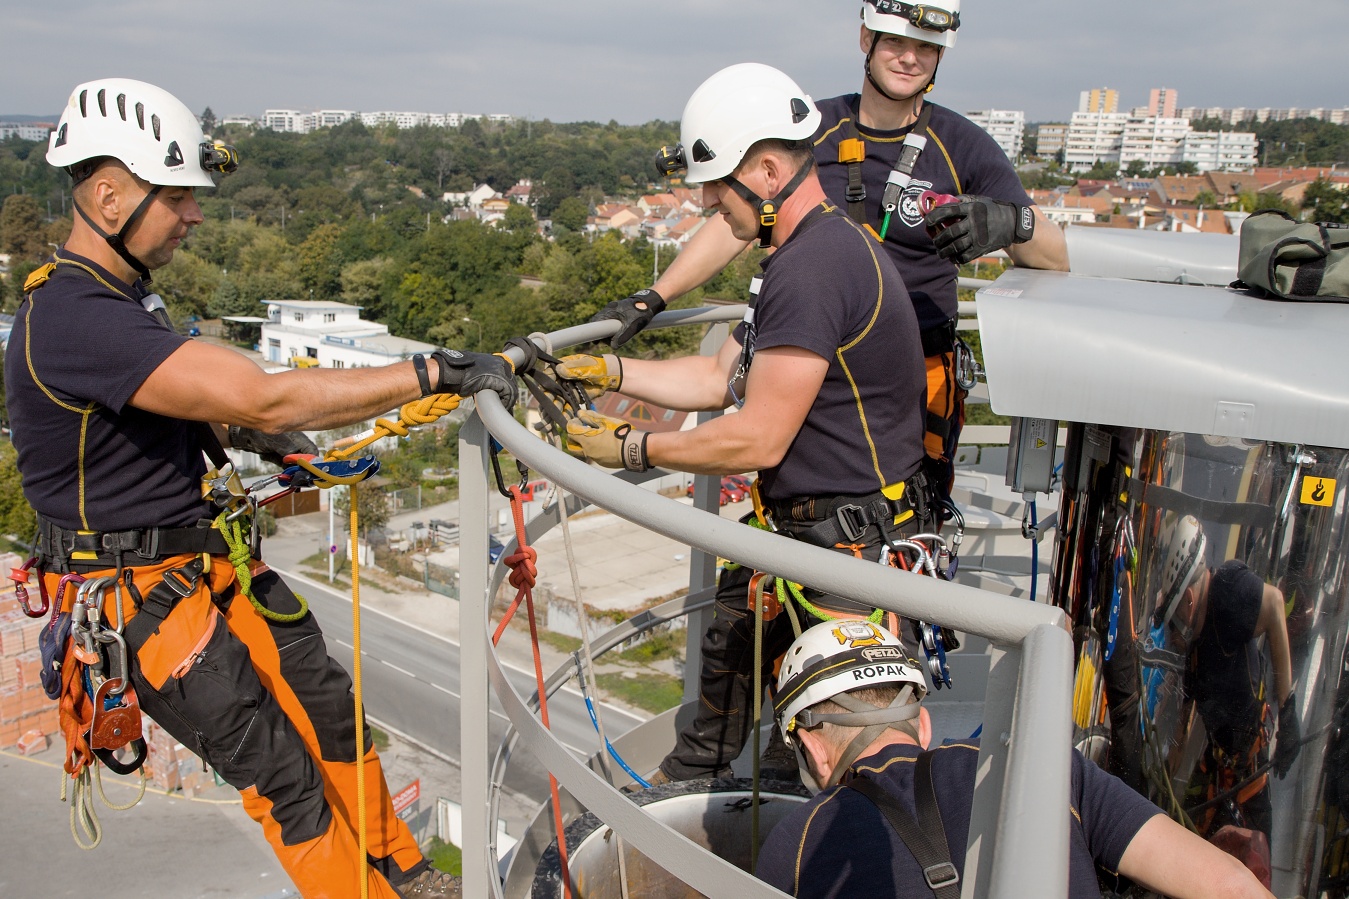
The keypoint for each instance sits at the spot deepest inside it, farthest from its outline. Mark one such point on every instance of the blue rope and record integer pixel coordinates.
(590, 707)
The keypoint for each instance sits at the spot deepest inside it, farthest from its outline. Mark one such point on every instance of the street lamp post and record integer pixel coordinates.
(479, 325)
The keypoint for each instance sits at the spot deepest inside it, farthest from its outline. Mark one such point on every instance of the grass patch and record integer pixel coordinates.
(379, 738)
(667, 645)
(445, 856)
(560, 642)
(652, 692)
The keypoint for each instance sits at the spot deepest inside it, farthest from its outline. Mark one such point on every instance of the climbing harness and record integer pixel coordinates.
(852, 152)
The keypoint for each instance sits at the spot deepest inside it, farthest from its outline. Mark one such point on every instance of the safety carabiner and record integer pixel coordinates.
(20, 578)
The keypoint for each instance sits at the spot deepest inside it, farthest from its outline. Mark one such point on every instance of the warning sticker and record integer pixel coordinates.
(1318, 491)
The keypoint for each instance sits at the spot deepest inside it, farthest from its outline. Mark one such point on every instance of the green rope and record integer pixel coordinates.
(782, 585)
(240, 556)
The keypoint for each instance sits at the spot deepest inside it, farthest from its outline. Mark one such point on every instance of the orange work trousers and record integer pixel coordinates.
(271, 712)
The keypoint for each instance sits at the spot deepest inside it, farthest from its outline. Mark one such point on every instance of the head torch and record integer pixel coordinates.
(219, 157)
(928, 18)
(671, 161)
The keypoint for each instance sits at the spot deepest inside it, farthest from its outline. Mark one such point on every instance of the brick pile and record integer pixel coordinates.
(24, 707)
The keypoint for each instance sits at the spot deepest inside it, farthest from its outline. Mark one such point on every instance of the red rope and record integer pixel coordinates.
(523, 576)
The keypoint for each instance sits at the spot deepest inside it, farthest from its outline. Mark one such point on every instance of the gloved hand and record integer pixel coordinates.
(607, 441)
(273, 448)
(976, 226)
(635, 312)
(467, 373)
(1288, 741)
(597, 374)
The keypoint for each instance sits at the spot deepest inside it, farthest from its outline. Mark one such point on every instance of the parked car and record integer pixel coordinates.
(734, 488)
(494, 548)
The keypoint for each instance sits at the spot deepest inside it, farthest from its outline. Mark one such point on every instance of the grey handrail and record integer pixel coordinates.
(1000, 843)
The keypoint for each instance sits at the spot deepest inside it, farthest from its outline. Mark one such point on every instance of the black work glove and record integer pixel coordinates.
(635, 312)
(1289, 739)
(467, 373)
(273, 448)
(976, 226)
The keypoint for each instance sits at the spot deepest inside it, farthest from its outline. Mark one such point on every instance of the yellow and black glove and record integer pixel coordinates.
(597, 374)
(607, 441)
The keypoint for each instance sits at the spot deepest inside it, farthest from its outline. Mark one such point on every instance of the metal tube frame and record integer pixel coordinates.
(1018, 832)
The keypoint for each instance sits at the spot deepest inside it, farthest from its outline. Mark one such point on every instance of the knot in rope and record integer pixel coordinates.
(429, 408)
(240, 555)
(524, 573)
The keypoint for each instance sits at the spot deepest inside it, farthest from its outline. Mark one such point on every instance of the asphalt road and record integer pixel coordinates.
(410, 682)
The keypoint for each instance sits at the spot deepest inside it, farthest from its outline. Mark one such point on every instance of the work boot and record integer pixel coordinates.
(652, 780)
(779, 761)
(432, 884)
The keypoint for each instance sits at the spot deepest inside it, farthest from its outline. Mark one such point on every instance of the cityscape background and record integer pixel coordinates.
(599, 60)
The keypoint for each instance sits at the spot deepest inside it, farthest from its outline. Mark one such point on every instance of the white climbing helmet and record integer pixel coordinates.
(932, 24)
(737, 107)
(1184, 561)
(144, 127)
(836, 657)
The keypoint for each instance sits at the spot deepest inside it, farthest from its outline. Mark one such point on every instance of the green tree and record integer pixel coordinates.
(570, 214)
(17, 518)
(321, 262)
(519, 218)
(21, 233)
(1323, 201)
(1205, 198)
(208, 121)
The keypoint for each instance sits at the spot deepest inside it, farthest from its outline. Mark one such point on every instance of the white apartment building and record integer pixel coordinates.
(1227, 151)
(1094, 137)
(35, 131)
(1235, 115)
(304, 333)
(1006, 127)
(293, 120)
(1153, 140)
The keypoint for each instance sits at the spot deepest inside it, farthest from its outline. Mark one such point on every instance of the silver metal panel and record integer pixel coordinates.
(480, 868)
(1204, 360)
(1164, 256)
(1033, 798)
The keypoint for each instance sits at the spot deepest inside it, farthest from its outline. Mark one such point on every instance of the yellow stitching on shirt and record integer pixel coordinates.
(951, 165)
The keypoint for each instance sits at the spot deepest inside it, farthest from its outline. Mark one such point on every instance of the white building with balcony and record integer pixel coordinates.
(1153, 140)
(1094, 137)
(316, 333)
(1006, 127)
(1224, 151)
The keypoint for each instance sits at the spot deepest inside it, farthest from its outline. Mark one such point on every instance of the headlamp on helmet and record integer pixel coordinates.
(671, 161)
(219, 157)
(928, 18)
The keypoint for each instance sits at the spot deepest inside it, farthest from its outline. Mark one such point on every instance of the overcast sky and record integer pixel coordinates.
(634, 61)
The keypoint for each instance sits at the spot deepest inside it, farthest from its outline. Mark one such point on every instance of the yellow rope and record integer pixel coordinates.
(418, 412)
(356, 689)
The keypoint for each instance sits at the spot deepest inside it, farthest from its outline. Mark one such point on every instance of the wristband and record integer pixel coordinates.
(423, 378)
(634, 450)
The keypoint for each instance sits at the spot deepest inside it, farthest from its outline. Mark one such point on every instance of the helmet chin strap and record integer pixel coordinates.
(767, 210)
(931, 82)
(118, 241)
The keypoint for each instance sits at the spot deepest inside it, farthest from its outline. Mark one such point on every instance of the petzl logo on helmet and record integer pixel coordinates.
(61, 136)
(175, 157)
(881, 653)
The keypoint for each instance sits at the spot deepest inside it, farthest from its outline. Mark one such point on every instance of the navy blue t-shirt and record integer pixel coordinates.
(79, 349)
(840, 845)
(829, 290)
(960, 158)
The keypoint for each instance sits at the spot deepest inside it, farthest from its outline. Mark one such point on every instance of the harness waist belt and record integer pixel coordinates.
(939, 340)
(832, 520)
(92, 550)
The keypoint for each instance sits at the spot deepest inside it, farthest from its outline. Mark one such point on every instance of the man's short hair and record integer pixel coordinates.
(879, 695)
(798, 151)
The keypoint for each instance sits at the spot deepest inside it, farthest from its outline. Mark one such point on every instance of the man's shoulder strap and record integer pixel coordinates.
(925, 836)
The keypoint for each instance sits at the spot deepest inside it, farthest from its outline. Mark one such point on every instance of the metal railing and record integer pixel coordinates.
(1018, 842)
